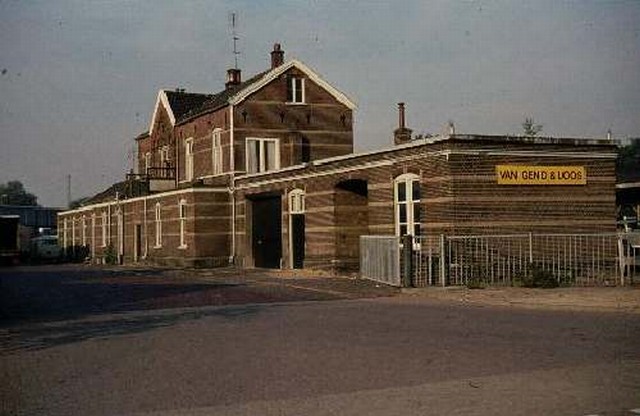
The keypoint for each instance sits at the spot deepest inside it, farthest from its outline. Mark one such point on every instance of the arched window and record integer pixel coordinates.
(296, 201)
(407, 204)
(158, 222)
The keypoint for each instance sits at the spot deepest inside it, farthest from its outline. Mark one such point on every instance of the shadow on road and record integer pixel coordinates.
(45, 335)
(47, 294)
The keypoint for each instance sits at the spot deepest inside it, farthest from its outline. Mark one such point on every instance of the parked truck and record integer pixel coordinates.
(9, 239)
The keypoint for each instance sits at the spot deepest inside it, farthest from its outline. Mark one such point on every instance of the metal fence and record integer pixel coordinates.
(380, 259)
(569, 259)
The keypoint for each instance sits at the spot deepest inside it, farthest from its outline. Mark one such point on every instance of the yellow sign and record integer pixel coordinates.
(541, 175)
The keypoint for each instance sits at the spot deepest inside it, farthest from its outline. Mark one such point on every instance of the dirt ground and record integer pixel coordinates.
(613, 299)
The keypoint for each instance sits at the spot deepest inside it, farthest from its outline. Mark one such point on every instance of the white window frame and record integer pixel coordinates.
(296, 201)
(408, 179)
(216, 151)
(164, 155)
(93, 235)
(83, 224)
(104, 228)
(158, 224)
(262, 163)
(182, 217)
(188, 159)
(297, 85)
(120, 230)
(147, 162)
(64, 233)
(296, 206)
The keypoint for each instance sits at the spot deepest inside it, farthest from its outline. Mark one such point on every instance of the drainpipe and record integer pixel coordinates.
(144, 218)
(232, 186)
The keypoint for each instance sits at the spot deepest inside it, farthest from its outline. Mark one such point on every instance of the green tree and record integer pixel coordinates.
(13, 193)
(530, 128)
(628, 163)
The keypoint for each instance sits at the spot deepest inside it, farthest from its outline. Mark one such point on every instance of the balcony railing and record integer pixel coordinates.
(161, 173)
(153, 173)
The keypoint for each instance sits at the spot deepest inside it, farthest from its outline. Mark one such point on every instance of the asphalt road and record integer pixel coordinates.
(319, 356)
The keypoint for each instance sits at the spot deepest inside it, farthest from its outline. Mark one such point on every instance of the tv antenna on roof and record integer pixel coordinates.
(233, 22)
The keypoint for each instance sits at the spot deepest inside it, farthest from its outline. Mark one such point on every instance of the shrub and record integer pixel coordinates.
(110, 256)
(476, 283)
(537, 277)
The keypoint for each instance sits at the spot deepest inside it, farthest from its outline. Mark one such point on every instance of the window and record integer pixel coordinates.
(182, 212)
(158, 225)
(262, 155)
(296, 201)
(295, 90)
(64, 233)
(147, 162)
(104, 229)
(93, 232)
(188, 160)
(407, 205)
(120, 225)
(164, 156)
(73, 231)
(216, 152)
(84, 230)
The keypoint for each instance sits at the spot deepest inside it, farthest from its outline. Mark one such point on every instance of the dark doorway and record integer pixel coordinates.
(351, 208)
(297, 240)
(267, 231)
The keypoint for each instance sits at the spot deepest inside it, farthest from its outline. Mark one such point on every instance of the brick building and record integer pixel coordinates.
(263, 174)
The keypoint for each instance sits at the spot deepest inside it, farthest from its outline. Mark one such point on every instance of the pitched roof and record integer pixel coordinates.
(182, 106)
(201, 103)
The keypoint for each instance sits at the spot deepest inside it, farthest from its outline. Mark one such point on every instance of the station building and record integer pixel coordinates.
(263, 174)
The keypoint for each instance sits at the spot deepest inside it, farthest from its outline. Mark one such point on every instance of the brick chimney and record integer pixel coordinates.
(233, 78)
(277, 56)
(402, 134)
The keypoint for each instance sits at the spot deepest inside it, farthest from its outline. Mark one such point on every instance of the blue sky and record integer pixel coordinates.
(79, 78)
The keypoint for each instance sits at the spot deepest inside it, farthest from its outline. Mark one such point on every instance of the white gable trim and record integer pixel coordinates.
(276, 72)
(162, 99)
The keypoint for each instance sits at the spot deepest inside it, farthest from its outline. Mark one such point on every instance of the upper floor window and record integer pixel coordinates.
(262, 155)
(147, 162)
(216, 152)
(407, 204)
(295, 90)
(188, 159)
(164, 156)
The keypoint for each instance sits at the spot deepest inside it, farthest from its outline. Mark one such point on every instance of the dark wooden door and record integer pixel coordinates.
(267, 232)
(297, 240)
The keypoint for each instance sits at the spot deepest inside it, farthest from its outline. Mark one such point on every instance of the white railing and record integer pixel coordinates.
(380, 259)
(569, 259)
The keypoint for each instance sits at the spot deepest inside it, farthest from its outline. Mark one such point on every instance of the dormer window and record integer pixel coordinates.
(295, 90)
